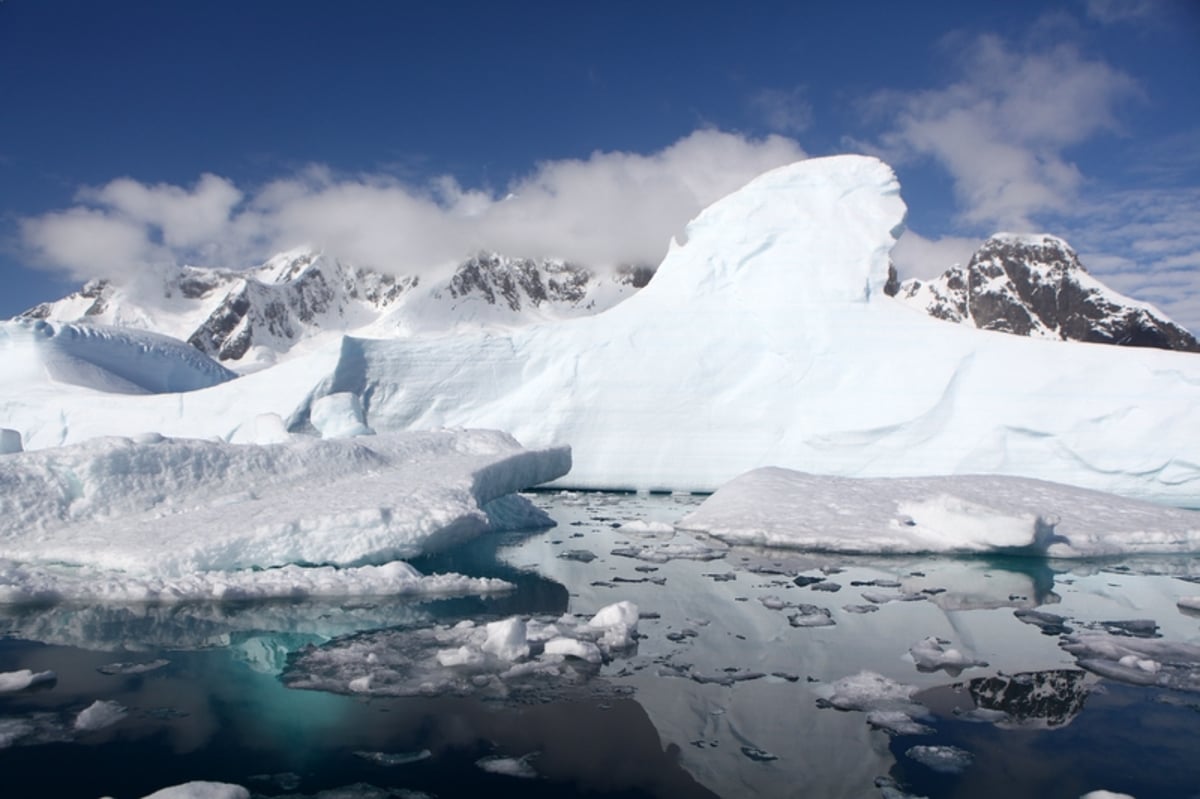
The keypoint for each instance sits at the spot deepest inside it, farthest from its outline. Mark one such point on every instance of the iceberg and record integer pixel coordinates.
(165, 519)
(764, 338)
(965, 514)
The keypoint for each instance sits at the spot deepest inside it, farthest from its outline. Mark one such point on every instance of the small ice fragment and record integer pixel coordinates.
(772, 602)
(573, 647)
(12, 730)
(394, 758)
(932, 653)
(98, 715)
(580, 555)
(509, 766)
(112, 669)
(811, 616)
(12, 681)
(896, 722)
(760, 755)
(1189, 604)
(1105, 795)
(201, 790)
(506, 639)
(360, 685)
(942, 759)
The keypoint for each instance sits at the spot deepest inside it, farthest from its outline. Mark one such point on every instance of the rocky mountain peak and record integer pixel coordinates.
(1035, 285)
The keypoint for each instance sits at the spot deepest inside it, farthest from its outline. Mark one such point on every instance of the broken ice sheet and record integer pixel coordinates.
(512, 658)
(943, 759)
(933, 653)
(1140, 661)
(889, 705)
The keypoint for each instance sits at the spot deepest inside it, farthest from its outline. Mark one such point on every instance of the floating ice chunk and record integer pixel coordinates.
(573, 647)
(962, 514)
(395, 758)
(1140, 661)
(509, 766)
(772, 602)
(131, 668)
(10, 441)
(506, 639)
(201, 790)
(1189, 604)
(12, 681)
(460, 656)
(12, 730)
(943, 759)
(619, 623)
(811, 616)
(98, 715)
(339, 416)
(641, 527)
(896, 722)
(867, 691)
(1105, 795)
(932, 653)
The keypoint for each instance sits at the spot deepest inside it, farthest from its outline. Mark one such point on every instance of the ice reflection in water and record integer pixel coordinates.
(723, 680)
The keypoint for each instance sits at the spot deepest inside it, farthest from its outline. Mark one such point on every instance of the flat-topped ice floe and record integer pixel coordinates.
(962, 514)
(158, 518)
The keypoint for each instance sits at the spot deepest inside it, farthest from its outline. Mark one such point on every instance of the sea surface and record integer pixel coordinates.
(740, 683)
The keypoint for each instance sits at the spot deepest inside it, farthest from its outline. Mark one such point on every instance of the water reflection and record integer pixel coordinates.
(718, 698)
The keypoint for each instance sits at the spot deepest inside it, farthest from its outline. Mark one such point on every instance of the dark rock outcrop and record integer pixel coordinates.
(1036, 286)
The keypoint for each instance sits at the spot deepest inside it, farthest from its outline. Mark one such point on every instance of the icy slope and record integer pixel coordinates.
(1031, 285)
(966, 514)
(103, 358)
(766, 339)
(153, 509)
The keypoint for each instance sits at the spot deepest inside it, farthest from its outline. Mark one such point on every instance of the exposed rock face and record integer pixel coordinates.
(514, 281)
(303, 293)
(1036, 286)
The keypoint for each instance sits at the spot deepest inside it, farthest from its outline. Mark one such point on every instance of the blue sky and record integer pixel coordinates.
(136, 136)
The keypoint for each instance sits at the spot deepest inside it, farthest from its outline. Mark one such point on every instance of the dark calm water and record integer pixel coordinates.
(723, 695)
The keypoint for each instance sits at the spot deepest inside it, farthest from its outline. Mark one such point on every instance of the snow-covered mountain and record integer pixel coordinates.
(248, 319)
(765, 339)
(1035, 285)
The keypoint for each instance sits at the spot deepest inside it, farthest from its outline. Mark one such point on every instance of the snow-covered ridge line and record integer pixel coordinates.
(160, 510)
(962, 515)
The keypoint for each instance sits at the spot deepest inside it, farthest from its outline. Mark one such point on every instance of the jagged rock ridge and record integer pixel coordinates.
(1036, 286)
(303, 293)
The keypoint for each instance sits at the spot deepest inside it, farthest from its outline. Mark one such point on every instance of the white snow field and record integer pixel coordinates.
(962, 514)
(765, 338)
(158, 518)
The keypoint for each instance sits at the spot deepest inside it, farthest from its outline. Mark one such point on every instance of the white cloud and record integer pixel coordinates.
(609, 209)
(1002, 129)
(1109, 11)
(919, 257)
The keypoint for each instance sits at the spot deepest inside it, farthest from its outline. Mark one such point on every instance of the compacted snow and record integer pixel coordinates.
(964, 514)
(158, 518)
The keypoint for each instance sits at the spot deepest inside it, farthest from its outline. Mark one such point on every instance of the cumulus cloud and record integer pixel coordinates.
(609, 209)
(1002, 129)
